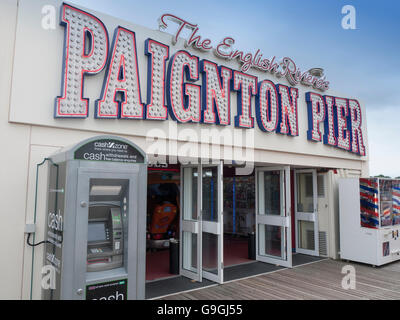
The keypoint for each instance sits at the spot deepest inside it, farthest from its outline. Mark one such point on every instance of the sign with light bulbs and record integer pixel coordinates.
(187, 89)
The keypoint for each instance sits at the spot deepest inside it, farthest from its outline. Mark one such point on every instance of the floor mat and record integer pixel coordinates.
(248, 270)
(299, 259)
(173, 285)
(256, 268)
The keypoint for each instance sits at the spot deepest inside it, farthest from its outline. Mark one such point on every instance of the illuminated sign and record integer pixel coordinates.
(187, 89)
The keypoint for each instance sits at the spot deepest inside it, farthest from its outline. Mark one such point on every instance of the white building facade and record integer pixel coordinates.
(184, 100)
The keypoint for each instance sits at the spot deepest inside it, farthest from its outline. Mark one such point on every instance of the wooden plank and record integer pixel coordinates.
(319, 280)
(329, 280)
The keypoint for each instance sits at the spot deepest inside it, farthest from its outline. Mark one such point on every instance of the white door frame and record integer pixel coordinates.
(191, 226)
(283, 220)
(307, 216)
(216, 227)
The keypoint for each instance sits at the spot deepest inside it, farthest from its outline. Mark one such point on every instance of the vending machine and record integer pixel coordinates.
(369, 213)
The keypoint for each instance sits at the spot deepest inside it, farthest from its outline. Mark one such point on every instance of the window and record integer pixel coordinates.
(309, 185)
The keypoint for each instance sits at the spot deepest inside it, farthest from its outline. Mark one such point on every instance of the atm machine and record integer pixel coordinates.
(105, 238)
(96, 221)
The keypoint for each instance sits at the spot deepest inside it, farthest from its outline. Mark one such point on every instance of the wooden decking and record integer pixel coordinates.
(315, 281)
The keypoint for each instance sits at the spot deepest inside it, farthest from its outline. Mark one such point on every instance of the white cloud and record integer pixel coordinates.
(384, 141)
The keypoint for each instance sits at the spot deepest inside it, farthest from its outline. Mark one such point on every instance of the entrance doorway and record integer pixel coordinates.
(273, 225)
(264, 215)
(163, 210)
(306, 212)
(224, 220)
(239, 217)
(257, 213)
(201, 233)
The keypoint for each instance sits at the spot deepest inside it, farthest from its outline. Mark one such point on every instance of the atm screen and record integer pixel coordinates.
(97, 231)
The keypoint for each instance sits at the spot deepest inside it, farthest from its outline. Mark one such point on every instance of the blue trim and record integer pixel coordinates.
(367, 204)
(368, 189)
(212, 199)
(234, 204)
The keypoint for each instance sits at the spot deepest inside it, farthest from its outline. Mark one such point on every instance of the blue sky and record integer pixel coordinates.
(362, 63)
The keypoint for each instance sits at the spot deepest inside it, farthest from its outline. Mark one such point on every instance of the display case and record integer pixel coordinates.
(369, 220)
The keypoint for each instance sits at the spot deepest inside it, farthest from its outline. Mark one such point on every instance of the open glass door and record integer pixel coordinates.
(201, 231)
(273, 227)
(212, 224)
(306, 213)
(190, 223)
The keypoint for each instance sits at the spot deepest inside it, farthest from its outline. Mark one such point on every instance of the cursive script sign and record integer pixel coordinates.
(286, 67)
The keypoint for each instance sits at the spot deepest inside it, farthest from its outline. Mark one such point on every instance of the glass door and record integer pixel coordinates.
(201, 229)
(306, 213)
(212, 224)
(190, 223)
(273, 227)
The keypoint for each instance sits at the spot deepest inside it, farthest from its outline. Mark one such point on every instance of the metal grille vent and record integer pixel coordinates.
(310, 240)
(323, 244)
(321, 185)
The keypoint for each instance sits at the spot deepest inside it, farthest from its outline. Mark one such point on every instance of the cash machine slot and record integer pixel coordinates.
(105, 238)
